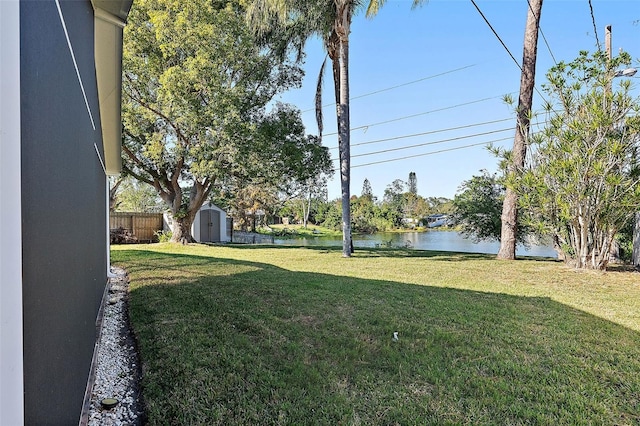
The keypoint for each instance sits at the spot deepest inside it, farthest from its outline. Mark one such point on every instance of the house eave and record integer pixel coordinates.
(110, 19)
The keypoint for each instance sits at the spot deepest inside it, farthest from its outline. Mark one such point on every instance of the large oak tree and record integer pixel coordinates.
(196, 90)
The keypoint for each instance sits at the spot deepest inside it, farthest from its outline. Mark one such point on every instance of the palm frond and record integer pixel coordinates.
(319, 99)
(374, 8)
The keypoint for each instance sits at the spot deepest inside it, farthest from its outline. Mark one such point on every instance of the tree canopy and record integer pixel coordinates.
(478, 206)
(582, 184)
(196, 89)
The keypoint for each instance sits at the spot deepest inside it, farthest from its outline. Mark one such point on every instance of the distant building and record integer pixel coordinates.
(437, 220)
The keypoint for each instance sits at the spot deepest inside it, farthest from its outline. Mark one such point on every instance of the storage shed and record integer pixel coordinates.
(209, 225)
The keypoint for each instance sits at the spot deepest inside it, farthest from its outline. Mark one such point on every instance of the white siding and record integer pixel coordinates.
(11, 352)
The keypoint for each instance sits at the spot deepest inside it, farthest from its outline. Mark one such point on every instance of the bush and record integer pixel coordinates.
(122, 236)
(163, 236)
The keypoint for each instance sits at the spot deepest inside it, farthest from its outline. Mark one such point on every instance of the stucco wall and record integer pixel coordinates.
(63, 205)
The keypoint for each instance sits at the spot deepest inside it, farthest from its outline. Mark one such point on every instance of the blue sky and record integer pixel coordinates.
(440, 67)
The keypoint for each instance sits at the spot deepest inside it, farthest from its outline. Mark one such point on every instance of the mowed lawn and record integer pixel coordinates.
(301, 336)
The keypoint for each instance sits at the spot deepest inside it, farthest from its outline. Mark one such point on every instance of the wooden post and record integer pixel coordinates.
(607, 40)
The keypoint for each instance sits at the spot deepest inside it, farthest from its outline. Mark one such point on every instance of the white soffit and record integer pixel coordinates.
(110, 19)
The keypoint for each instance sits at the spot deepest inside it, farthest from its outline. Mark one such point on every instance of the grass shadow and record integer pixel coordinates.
(227, 341)
(377, 251)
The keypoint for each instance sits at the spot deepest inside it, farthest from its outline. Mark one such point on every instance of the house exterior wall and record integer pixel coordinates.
(63, 207)
(11, 380)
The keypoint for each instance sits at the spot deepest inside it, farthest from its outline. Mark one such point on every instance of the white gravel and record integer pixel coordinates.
(117, 369)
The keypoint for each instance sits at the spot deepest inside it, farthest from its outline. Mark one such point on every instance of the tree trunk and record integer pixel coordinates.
(635, 257)
(182, 220)
(527, 83)
(113, 191)
(305, 213)
(181, 230)
(344, 128)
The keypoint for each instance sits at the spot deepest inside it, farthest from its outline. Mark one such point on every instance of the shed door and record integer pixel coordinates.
(209, 226)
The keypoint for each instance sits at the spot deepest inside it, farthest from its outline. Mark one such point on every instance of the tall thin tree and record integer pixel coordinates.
(330, 20)
(527, 83)
(412, 184)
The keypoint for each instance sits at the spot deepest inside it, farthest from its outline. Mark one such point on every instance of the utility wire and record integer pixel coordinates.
(543, 37)
(429, 143)
(429, 153)
(366, 126)
(399, 85)
(548, 47)
(536, 124)
(505, 46)
(496, 34)
(595, 28)
(415, 81)
(427, 133)
(432, 143)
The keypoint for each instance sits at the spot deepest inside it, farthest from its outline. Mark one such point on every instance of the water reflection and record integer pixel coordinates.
(431, 240)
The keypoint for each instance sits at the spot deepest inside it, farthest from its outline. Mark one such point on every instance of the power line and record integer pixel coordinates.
(428, 143)
(505, 46)
(429, 153)
(432, 143)
(496, 34)
(543, 37)
(415, 81)
(419, 114)
(595, 28)
(548, 47)
(399, 85)
(428, 133)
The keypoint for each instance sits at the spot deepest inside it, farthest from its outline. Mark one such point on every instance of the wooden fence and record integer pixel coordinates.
(143, 226)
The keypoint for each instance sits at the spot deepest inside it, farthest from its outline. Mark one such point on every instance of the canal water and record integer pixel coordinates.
(430, 240)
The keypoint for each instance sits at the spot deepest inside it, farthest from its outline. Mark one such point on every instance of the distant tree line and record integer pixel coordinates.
(400, 208)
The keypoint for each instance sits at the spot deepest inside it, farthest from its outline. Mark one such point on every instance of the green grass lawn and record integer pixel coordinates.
(296, 231)
(297, 336)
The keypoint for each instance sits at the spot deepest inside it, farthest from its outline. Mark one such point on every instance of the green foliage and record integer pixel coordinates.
(582, 184)
(305, 205)
(365, 215)
(163, 236)
(135, 196)
(624, 239)
(368, 215)
(478, 206)
(367, 191)
(196, 90)
(330, 215)
(394, 201)
(412, 183)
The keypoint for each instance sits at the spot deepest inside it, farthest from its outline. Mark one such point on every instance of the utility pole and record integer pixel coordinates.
(635, 255)
(607, 40)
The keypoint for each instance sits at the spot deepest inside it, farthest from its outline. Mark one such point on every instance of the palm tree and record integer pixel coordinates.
(330, 20)
(527, 83)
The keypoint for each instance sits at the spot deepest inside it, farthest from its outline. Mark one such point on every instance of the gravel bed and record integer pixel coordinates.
(117, 371)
